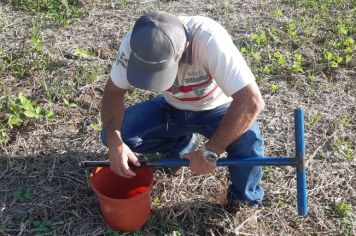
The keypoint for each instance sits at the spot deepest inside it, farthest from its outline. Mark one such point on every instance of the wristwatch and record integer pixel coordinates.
(209, 156)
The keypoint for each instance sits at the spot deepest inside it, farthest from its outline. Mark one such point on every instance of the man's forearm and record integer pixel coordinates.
(112, 113)
(236, 121)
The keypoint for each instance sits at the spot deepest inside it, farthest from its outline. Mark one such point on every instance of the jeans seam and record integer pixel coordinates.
(152, 129)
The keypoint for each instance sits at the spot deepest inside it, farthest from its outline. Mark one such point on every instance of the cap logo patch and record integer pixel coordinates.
(150, 62)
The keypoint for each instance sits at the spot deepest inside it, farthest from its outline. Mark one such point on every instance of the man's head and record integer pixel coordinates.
(157, 43)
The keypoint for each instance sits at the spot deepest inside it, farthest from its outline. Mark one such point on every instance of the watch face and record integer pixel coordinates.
(211, 157)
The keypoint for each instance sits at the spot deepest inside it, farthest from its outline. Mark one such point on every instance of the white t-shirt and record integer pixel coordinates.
(211, 70)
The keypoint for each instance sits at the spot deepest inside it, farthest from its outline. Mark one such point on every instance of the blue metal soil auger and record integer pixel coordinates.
(297, 162)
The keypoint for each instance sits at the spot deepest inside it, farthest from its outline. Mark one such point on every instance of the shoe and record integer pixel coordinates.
(235, 205)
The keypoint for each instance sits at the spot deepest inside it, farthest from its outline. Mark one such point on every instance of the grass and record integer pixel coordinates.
(340, 210)
(336, 52)
(62, 12)
(52, 79)
(23, 194)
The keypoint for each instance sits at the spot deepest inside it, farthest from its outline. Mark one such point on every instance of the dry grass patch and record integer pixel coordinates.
(59, 58)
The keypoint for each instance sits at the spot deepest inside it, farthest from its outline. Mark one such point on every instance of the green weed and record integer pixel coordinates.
(111, 232)
(259, 38)
(279, 12)
(225, 7)
(56, 89)
(84, 76)
(123, 3)
(4, 22)
(83, 53)
(320, 5)
(36, 44)
(46, 63)
(256, 56)
(43, 227)
(297, 63)
(333, 60)
(310, 76)
(69, 104)
(315, 120)
(167, 226)
(345, 120)
(338, 210)
(268, 70)
(273, 34)
(96, 127)
(4, 138)
(279, 57)
(157, 201)
(292, 29)
(36, 29)
(18, 69)
(177, 233)
(344, 147)
(274, 87)
(5, 57)
(23, 194)
(281, 203)
(63, 12)
(344, 26)
(269, 173)
(347, 47)
(20, 109)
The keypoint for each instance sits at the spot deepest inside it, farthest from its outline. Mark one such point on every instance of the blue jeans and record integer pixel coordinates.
(155, 126)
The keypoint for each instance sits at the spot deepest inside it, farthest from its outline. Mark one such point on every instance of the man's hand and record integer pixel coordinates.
(198, 164)
(112, 112)
(119, 157)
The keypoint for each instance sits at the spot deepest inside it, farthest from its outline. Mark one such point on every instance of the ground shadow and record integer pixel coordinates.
(49, 194)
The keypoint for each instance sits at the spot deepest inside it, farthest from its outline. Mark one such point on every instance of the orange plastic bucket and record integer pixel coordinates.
(125, 203)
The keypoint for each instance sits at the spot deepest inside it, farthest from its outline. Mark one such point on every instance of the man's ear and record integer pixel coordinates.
(185, 47)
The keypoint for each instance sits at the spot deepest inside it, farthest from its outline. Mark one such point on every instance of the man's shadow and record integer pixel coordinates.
(49, 194)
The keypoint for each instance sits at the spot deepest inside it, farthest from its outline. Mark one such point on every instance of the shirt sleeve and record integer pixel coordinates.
(226, 64)
(119, 69)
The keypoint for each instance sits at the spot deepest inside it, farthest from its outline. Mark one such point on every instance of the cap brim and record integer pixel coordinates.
(139, 76)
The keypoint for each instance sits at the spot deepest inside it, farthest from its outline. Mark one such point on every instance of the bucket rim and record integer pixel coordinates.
(137, 197)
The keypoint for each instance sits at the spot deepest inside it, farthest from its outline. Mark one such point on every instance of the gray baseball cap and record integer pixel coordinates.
(157, 43)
